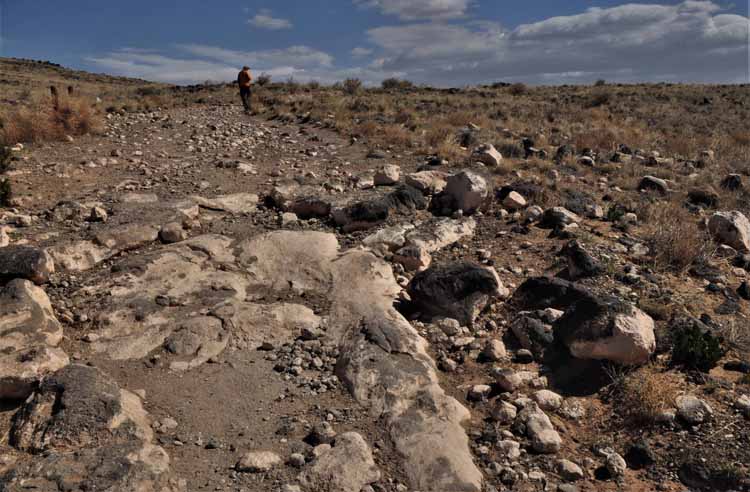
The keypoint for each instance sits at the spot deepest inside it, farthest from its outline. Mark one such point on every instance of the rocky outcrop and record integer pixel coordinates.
(81, 430)
(29, 339)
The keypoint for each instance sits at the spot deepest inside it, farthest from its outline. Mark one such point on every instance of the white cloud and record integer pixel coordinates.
(419, 9)
(360, 52)
(265, 20)
(201, 63)
(690, 41)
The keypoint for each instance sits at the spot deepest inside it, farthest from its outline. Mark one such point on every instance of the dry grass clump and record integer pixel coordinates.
(643, 395)
(674, 237)
(69, 116)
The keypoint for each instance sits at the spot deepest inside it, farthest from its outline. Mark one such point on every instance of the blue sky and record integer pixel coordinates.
(440, 42)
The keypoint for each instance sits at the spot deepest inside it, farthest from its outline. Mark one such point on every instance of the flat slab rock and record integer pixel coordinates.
(384, 362)
(29, 336)
(81, 430)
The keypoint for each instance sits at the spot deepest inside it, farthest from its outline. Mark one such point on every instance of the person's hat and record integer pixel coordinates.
(246, 68)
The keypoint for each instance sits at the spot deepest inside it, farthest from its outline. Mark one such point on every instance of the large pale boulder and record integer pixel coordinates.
(345, 467)
(430, 182)
(488, 154)
(732, 229)
(607, 329)
(467, 190)
(29, 336)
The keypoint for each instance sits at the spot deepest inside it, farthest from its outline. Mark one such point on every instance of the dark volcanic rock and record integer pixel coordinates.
(457, 290)
(545, 292)
(25, 262)
(363, 215)
(580, 262)
(84, 433)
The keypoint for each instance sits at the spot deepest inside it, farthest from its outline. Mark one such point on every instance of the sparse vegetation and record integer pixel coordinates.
(696, 349)
(396, 84)
(644, 394)
(351, 86)
(673, 235)
(263, 79)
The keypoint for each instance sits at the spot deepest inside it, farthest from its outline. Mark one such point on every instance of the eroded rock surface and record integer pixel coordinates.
(29, 339)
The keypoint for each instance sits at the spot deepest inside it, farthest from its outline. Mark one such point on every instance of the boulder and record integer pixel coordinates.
(693, 410)
(347, 466)
(387, 175)
(464, 191)
(488, 155)
(458, 290)
(306, 202)
(26, 262)
(532, 333)
(258, 462)
(514, 201)
(29, 337)
(430, 237)
(172, 232)
(608, 329)
(581, 264)
(548, 292)
(369, 213)
(651, 183)
(732, 229)
(428, 182)
(538, 427)
(732, 182)
(547, 400)
(556, 217)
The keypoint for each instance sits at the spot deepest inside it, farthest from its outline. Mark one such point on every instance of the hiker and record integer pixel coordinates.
(244, 80)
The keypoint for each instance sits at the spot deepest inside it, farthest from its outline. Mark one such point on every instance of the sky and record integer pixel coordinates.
(437, 42)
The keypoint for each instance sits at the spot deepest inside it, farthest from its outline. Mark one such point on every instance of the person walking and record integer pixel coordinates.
(245, 80)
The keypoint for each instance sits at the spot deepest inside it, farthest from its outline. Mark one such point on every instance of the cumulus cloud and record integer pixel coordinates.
(419, 9)
(265, 20)
(199, 63)
(690, 41)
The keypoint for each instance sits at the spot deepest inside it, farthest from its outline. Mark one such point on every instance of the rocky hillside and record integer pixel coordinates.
(197, 299)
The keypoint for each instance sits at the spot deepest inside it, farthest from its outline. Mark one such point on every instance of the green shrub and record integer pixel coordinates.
(615, 212)
(697, 349)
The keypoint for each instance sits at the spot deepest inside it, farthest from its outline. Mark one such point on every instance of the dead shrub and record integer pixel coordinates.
(70, 116)
(673, 235)
(518, 89)
(643, 395)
